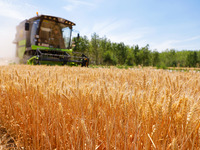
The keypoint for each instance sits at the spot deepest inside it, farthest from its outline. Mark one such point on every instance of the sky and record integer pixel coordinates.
(163, 24)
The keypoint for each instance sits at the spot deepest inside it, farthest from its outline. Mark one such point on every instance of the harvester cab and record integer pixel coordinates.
(47, 40)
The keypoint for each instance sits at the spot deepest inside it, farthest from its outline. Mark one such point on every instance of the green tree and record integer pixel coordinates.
(105, 45)
(137, 59)
(130, 56)
(155, 58)
(192, 59)
(121, 53)
(109, 59)
(82, 45)
(95, 44)
(144, 56)
(168, 57)
(103, 51)
(195, 59)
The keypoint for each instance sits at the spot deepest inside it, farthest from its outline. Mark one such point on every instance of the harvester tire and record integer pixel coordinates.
(37, 62)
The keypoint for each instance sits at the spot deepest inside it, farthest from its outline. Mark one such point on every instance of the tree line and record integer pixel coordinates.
(102, 51)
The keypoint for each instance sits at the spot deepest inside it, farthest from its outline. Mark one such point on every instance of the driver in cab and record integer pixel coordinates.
(56, 37)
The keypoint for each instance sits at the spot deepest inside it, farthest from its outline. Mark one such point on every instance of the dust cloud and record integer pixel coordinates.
(8, 61)
(7, 47)
(8, 53)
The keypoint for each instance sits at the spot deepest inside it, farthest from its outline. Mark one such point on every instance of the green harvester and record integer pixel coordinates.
(47, 40)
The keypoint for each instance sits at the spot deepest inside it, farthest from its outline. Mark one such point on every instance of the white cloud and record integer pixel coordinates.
(168, 44)
(116, 31)
(75, 4)
(175, 44)
(192, 38)
(11, 13)
(70, 7)
(10, 10)
(108, 26)
(79, 2)
(19, 9)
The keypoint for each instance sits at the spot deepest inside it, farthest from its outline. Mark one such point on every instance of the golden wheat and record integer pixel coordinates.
(51, 107)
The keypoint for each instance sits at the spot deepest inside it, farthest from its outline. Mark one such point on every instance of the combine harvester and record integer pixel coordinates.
(47, 40)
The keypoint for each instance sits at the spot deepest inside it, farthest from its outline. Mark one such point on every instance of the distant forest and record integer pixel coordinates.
(102, 51)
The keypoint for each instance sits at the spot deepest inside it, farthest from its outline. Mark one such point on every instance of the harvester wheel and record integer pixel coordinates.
(85, 62)
(37, 62)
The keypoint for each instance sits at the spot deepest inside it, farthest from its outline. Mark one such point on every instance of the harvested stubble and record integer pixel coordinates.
(45, 107)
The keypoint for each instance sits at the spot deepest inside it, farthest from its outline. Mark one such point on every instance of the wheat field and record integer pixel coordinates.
(52, 107)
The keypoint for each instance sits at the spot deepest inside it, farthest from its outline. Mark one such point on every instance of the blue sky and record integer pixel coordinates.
(163, 24)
